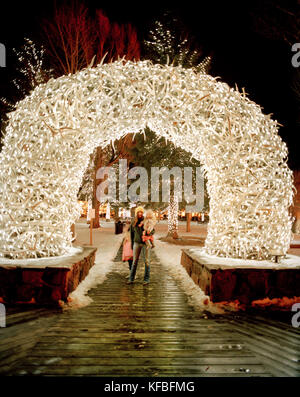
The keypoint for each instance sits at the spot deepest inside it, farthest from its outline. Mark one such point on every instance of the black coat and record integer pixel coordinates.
(136, 232)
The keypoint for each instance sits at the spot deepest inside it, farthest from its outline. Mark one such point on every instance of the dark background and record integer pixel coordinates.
(250, 42)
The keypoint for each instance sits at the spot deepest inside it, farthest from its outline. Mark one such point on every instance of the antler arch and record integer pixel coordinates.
(52, 132)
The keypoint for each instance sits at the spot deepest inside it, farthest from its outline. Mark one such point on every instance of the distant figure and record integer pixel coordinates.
(127, 253)
(118, 226)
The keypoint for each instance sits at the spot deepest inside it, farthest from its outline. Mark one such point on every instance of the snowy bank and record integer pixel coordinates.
(169, 256)
(51, 261)
(107, 244)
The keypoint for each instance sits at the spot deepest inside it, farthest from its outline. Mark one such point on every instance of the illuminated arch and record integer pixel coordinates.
(53, 130)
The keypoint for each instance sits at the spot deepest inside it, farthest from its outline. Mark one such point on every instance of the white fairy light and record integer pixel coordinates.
(53, 131)
(30, 68)
(173, 216)
(168, 44)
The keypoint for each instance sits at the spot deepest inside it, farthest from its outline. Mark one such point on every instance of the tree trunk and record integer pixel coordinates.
(121, 152)
(73, 231)
(174, 234)
(107, 215)
(188, 221)
(95, 201)
(97, 216)
(173, 218)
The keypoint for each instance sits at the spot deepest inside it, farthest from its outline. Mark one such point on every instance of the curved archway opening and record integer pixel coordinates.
(52, 132)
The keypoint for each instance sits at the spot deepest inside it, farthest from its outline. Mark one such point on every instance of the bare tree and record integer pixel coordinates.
(73, 38)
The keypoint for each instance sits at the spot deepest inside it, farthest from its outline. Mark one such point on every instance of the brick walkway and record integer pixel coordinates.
(136, 330)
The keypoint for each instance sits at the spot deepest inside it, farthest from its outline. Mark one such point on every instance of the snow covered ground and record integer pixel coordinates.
(42, 262)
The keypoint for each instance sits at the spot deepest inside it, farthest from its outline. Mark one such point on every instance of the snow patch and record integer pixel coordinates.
(169, 256)
(108, 246)
(73, 251)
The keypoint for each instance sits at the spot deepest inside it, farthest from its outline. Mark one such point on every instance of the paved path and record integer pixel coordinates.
(136, 330)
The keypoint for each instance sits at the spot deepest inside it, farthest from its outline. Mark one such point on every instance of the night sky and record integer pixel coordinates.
(244, 50)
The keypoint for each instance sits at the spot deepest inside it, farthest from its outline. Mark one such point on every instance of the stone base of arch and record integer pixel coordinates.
(44, 284)
(244, 284)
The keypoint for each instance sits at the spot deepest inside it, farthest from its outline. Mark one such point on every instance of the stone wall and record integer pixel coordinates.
(242, 284)
(44, 285)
